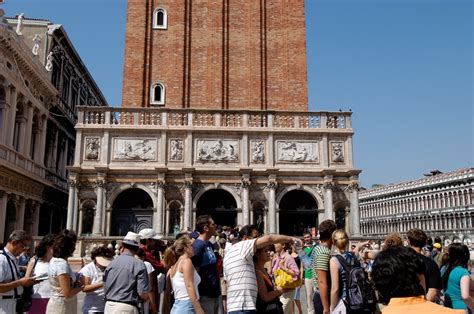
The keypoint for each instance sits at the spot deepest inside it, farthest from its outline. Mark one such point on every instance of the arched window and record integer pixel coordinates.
(158, 94)
(160, 19)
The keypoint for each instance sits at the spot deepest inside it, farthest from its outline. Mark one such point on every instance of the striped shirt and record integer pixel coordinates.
(321, 258)
(239, 272)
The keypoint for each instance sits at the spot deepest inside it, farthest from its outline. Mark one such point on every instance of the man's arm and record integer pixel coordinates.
(323, 290)
(25, 281)
(272, 239)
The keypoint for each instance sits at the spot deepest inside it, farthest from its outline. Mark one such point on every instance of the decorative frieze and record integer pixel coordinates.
(176, 150)
(258, 151)
(134, 149)
(92, 148)
(337, 152)
(297, 151)
(217, 150)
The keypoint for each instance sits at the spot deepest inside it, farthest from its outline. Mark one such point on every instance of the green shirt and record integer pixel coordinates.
(308, 273)
(320, 261)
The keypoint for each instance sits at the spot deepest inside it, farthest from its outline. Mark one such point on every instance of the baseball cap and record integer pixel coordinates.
(437, 245)
(149, 233)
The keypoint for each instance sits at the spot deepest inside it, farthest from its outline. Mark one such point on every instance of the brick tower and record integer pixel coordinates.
(216, 54)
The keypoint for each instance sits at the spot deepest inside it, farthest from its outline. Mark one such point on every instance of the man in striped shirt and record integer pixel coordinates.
(321, 255)
(239, 270)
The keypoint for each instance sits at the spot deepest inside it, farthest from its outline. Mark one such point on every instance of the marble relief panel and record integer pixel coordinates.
(257, 151)
(297, 151)
(176, 149)
(135, 149)
(217, 150)
(337, 151)
(92, 148)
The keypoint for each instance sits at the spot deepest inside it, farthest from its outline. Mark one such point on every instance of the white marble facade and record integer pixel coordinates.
(175, 165)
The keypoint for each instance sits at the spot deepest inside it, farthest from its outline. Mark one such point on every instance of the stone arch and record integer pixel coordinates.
(174, 209)
(123, 187)
(88, 207)
(312, 192)
(293, 220)
(214, 187)
(222, 211)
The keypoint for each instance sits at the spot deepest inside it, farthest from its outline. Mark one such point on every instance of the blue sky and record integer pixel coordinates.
(404, 67)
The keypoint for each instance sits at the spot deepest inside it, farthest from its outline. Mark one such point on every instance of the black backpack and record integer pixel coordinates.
(360, 291)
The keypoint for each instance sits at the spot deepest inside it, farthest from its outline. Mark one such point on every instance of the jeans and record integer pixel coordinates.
(210, 305)
(182, 307)
(243, 312)
(318, 305)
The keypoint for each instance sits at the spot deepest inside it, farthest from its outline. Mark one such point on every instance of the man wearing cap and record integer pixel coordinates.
(149, 243)
(11, 286)
(126, 279)
(205, 262)
(436, 253)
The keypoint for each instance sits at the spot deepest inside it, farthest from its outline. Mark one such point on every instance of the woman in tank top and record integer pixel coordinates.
(183, 277)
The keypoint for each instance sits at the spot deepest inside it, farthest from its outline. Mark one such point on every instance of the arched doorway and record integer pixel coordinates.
(258, 209)
(132, 211)
(220, 204)
(174, 223)
(298, 213)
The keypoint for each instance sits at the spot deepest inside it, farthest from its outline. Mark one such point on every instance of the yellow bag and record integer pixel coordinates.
(285, 280)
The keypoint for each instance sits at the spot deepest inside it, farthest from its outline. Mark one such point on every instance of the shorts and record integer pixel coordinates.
(182, 307)
(298, 293)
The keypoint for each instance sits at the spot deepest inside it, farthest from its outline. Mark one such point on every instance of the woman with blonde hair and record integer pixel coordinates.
(182, 277)
(338, 274)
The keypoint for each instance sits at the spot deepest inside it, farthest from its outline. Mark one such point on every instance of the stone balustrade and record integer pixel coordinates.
(108, 116)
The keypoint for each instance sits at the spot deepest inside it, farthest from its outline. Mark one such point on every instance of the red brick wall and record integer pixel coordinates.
(230, 54)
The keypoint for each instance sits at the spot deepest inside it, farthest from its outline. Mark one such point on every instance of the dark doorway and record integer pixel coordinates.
(132, 211)
(298, 213)
(10, 220)
(220, 204)
(174, 226)
(258, 214)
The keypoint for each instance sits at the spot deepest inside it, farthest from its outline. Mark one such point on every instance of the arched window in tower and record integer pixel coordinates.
(158, 94)
(160, 19)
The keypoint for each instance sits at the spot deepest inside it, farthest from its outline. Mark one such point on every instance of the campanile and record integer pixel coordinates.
(216, 54)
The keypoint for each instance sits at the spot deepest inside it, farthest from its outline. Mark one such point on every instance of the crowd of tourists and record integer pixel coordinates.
(237, 271)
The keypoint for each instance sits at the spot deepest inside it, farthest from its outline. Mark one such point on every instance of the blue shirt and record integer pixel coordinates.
(205, 262)
(452, 295)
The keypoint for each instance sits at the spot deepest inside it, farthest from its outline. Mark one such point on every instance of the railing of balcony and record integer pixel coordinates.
(109, 116)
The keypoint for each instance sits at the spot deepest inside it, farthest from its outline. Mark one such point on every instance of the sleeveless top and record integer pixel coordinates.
(179, 287)
(262, 305)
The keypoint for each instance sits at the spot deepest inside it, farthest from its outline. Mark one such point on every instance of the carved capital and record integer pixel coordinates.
(272, 185)
(328, 186)
(353, 186)
(73, 183)
(160, 184)
(245, 182)
(100, 183)
(188, 183)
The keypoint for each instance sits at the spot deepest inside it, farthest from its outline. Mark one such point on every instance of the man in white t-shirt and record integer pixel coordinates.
(239, 270)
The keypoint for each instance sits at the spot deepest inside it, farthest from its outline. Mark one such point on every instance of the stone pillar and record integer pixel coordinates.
(35, 225)
(159, 213)
(354, 217)
(272, 186)
(245, 185)
(71, 204)
(188, 203)
(20, 219)
(81, 219)
(167, 221)
(28, 129)
(3, 213)
(108, 217)
(12, 98)
(328, 206)
(97, 226)
(321, 216)
(42, 145)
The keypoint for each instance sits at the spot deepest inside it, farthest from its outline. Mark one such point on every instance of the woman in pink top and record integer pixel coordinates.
(284, 261)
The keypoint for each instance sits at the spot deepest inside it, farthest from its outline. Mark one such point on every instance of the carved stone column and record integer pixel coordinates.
(3, 214)
(159, 213)
(272, 186)
(71, 204)
(28, 129)
(354, 216)
(42, 144)
(245, 185)
(81, 219)
(96, 229)
(12, 97)
(328, 205)
(188, 203)
(36, 212)
(108, 221)
(20, 219)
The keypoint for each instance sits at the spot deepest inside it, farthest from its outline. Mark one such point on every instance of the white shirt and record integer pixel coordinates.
(58, 266)
(239, 272)
(41, 290)
(6, 272)
(179, 287)
(93, 301)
